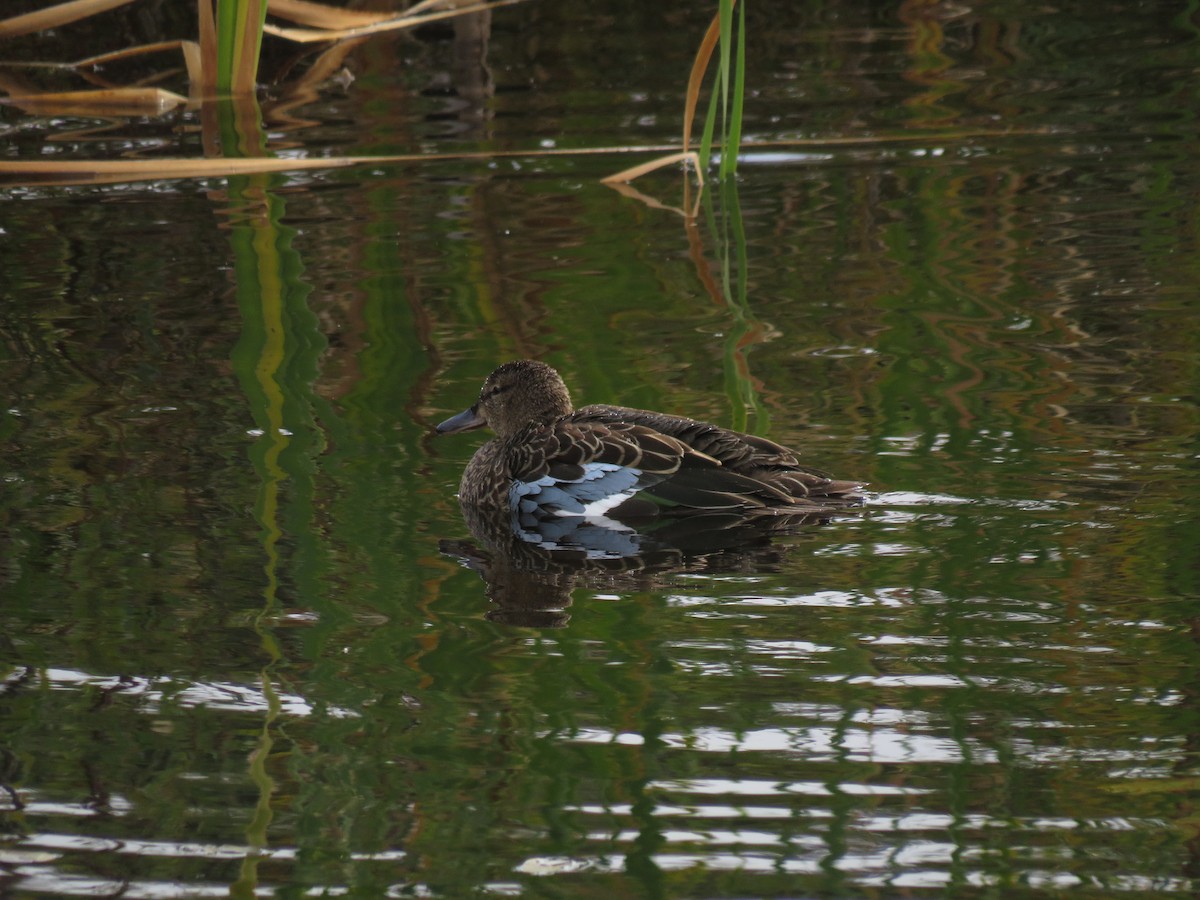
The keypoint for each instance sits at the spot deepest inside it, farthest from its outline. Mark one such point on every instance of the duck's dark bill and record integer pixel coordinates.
(464, 421)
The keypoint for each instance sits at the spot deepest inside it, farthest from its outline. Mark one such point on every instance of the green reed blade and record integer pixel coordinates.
(728, 91)
(239, 43)
(726, 46)
(733, 136)
(706, 138)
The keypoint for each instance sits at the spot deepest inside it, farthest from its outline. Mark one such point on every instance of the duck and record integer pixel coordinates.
(549, 459)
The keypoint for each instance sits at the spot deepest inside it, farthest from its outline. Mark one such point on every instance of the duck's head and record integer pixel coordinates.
(512, 397)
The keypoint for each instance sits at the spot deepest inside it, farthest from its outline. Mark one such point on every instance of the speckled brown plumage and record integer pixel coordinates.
(680, 464)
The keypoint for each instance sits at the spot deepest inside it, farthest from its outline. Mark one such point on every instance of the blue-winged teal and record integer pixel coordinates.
(548, 458)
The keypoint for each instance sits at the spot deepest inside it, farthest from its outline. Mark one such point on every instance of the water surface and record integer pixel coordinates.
(248, 644)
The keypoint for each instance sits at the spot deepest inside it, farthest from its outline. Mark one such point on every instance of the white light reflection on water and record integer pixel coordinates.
(776, 649)
(930, 861)
(923, 501)
(746, 787)
(31, 805)
(816, 743)
(862, 865)
(707, 811)
(216, 695)
(47, 841)
(832, 599)
(878, 745)
(33, 880)
(31, 860)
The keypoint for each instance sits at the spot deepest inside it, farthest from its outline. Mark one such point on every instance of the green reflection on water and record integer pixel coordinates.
(729, 243)
(230, 645)
(276, 363)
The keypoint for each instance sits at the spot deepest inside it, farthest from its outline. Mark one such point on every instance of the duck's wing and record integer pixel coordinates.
(779, 475)
(622, 470)
(568, 468)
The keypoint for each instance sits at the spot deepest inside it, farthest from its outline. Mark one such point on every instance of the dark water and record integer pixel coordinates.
(248, 643)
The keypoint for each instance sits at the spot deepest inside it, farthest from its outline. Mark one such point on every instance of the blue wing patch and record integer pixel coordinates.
(568, 514)
(601, 487)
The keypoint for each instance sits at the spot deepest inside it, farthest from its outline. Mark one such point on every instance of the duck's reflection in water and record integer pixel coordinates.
(532, 564)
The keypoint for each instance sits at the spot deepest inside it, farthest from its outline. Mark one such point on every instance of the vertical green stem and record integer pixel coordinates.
(239, 43)
(728, 91)
(733, 134)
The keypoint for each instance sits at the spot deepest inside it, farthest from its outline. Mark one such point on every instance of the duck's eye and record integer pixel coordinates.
(494, 390)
